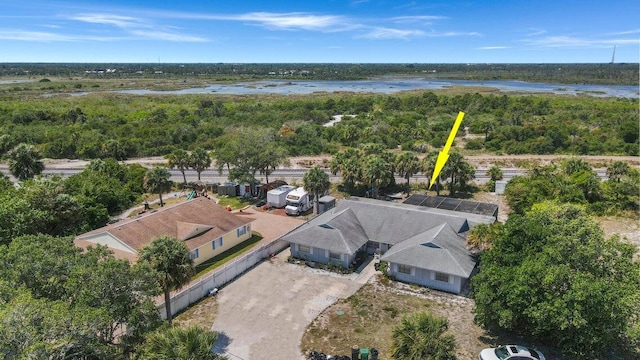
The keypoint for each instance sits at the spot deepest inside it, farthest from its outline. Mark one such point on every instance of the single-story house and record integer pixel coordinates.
(422, 245)
(334, 240)
(206, 228)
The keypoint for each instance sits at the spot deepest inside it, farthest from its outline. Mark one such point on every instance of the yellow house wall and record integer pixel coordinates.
(229, 240)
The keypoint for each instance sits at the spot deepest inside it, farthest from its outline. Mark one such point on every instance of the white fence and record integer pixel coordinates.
(221, 276)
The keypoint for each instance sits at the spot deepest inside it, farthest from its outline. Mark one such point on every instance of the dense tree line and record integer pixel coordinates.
(60, 302)
(57, 302)
(551, 275)
(574, 181)
(624, 74)
(117, 126)
(371, 167)
(61, 207)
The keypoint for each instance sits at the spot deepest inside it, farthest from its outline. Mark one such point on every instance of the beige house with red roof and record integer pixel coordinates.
(207, 229)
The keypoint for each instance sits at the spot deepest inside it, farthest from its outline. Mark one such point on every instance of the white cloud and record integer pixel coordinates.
(535, 32)
(452, 34)
(167, 36)
(137, 28)
(575, 42)
(417, 19)
(492, 48)
(285, 21)
(41, 36)
(388, 33)
(109, 19)
(629, 32)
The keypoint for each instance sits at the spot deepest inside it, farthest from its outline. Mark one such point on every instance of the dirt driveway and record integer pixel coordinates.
(263, 314)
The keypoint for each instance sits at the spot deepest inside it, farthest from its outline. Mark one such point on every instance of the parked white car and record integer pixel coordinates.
(511, 352)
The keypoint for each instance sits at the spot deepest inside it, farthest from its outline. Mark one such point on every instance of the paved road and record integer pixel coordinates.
(293, 175)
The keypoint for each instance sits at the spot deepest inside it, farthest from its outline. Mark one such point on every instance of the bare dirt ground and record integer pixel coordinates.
(627, 228)
(367, 319)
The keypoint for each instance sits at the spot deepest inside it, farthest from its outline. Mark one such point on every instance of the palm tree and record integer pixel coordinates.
(481, 236)
(179, 159)
(428, 166)
(157, 181)
(192, 343)
(574, 165)
(114, 149)
(316, 181)
(348, 163)
(421, 336)
(24, 162)
(495, 174)
(376, 173)
(170, 258)
(199, 160)
(459, 170)
(407, 165)
(617, 170)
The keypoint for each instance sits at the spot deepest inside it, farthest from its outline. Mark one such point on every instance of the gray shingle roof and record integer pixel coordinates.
(439, 249)
(338, 231)
(391, 223)
(355, 221)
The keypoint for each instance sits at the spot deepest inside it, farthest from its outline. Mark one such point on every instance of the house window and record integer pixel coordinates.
(241, 231)
(334, 256)
(304, 249)
(405, 269)
(442, 277)
(194, 254)
(217, 241)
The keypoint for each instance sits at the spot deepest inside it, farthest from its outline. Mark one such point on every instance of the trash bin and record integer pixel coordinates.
(355, 352)
(374, 354)
(364, 354)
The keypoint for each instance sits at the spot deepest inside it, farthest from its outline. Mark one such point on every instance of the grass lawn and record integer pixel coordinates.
(202, 314)
(227, 256)
(236, 202)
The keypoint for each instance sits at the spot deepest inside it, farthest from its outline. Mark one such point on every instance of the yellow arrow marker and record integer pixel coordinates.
(443, 156)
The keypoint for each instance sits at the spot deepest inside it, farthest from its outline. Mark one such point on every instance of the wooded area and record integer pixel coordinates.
(612, 74)
(124, 126)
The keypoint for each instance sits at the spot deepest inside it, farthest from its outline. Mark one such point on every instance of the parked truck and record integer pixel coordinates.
(298, 201)
(277, 197)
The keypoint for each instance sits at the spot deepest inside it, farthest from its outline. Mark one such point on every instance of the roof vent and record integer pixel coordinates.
(327, 226)
(432, 245)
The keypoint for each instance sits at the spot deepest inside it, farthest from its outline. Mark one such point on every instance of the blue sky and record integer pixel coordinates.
(345, 31)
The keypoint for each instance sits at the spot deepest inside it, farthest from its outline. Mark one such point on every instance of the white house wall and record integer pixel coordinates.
(427, 278)
(320, 256)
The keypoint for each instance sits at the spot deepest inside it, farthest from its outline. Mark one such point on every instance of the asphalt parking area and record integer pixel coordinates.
(263, 314)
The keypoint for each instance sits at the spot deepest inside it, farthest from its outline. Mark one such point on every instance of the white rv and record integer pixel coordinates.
(277, 197)
(298, 201)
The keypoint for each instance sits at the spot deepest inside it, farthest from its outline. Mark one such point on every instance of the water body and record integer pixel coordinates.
(5, 82)
(393, 85)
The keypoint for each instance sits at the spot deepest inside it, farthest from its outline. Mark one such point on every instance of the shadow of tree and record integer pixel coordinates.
(222, 343)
